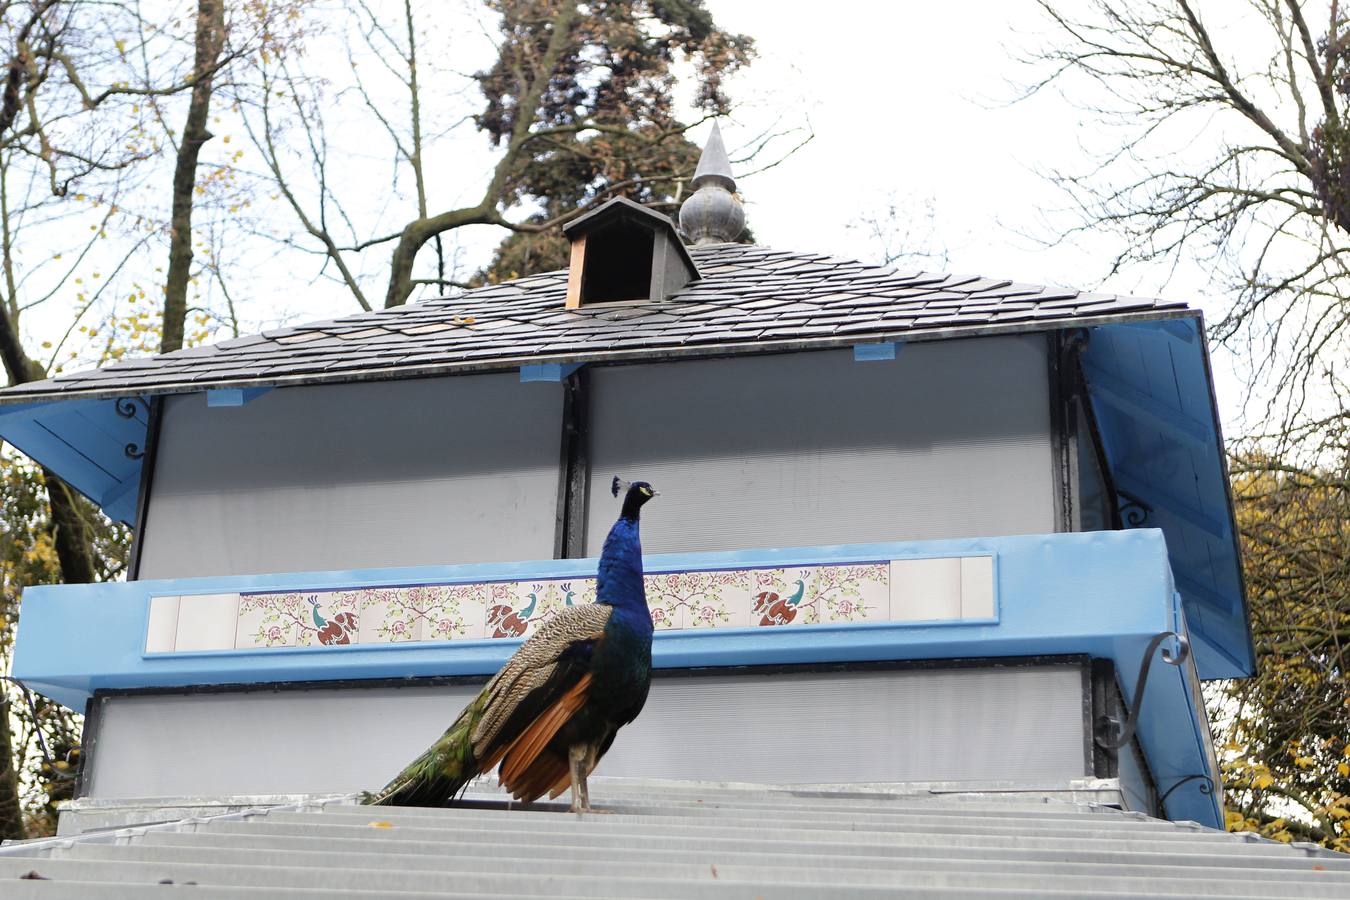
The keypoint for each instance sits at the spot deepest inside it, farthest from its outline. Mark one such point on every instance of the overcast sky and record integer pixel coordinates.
(913, 100)
(906, 102)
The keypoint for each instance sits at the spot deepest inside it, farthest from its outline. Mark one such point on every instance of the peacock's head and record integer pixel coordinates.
(638, 493)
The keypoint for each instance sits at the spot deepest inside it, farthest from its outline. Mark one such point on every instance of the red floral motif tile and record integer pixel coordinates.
(764, 597)
(700, 599)
(385, 615)
(267, 620)
(852, 593)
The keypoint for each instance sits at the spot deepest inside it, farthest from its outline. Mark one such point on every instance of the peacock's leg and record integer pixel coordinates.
(576, 761)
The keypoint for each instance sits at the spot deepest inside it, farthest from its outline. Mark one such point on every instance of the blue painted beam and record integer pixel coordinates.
(548, 371)
(872, 352)
(230, 397)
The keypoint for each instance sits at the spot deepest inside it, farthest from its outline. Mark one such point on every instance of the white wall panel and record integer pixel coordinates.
(949, 439)
(904, 725)
(445, 470)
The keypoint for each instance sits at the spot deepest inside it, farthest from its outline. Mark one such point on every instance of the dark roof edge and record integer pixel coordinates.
(13, 396)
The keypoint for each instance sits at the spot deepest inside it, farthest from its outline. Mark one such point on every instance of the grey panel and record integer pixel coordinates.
(417, 472)
(932, 725)
(1134, 780)
(948, 440)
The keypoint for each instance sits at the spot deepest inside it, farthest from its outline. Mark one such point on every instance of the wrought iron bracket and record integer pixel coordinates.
(1110, 733)
(1206, 787)
(127, 408)
(1134, 513)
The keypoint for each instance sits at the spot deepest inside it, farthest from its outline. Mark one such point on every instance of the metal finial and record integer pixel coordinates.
(713, 213)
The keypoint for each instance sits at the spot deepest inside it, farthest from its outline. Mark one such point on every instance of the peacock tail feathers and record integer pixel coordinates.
(435, 777)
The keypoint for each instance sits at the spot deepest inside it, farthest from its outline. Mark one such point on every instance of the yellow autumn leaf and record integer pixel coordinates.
(1343, 769)
(1304, 762)
(380, 824)
(1264, 781)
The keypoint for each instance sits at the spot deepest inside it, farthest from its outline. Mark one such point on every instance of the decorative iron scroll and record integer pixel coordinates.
(1108, 724)
(128, 408)
(1133, 511)
(1206, 787)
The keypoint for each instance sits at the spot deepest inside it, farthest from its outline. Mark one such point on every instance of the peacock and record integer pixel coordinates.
(552, 711)
(777, 610)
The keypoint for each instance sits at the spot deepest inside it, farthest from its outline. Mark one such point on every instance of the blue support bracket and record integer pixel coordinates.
(222, 397)
(869, 352)
(548, 371)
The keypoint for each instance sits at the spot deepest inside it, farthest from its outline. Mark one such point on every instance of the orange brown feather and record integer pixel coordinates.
(528, 771)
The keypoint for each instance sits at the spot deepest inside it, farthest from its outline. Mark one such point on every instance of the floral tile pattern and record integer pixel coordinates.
(855, 593)
(384, 616)
(767, 597)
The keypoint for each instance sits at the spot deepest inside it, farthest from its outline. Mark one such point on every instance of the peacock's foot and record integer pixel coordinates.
(590, 810)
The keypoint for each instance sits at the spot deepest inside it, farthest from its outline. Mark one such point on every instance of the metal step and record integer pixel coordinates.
(715, 883)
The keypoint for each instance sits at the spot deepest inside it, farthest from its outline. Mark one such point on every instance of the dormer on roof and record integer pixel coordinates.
(624, 252)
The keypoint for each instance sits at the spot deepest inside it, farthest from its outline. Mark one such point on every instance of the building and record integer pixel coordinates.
(914, 530)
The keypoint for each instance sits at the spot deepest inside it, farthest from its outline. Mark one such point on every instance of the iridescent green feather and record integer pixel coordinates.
(435, 777)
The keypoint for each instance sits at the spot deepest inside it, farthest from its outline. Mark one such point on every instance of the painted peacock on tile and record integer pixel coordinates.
(553, 710)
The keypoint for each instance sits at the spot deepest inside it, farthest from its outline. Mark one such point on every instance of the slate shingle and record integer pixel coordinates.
(746, 294)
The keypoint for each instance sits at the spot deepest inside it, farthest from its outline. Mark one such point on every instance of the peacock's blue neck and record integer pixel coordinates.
(619, 580)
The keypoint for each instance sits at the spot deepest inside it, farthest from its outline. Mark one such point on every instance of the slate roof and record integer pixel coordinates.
(671, 839)
(749, 299)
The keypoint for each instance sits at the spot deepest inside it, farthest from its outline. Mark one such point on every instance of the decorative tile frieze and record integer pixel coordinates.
(907, 590)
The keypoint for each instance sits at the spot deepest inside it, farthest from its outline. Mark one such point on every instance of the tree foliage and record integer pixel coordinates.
(1284, 735)
(578, 105)
(45, 736)
(608, 125)
(1228, 149)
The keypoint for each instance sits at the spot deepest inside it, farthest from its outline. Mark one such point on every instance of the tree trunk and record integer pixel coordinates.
(69, 535)
(210, 41)
(11, 815)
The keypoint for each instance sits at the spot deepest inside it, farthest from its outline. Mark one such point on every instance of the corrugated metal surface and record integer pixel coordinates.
(424, 472)
(900, 725)
(946, 440)
(668, 840)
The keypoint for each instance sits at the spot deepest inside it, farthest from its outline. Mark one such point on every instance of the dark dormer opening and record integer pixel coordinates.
(623, 252)
(620, 264)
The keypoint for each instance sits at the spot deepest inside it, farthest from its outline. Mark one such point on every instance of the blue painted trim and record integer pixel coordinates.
(871, 352)
(1150, 388)
(548, 371)
(1116, 392)
(1182, 329)
(1104, 594)
(231, 397)
(86, 442)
